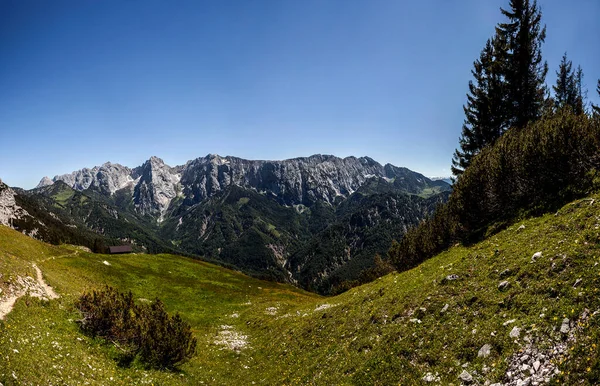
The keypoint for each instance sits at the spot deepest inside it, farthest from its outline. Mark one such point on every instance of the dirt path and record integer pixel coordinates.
(6, 305)
(47, 290)
(26, 285)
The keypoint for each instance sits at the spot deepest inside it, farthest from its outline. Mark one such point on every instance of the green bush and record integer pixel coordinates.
(144, 331)
(166, 340)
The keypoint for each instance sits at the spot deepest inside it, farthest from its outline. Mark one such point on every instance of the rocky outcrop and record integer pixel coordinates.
(293, 181)
(9, 210)
(107, 178)
(157, 186)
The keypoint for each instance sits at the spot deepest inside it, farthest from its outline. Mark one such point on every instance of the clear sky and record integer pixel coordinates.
(83, 82)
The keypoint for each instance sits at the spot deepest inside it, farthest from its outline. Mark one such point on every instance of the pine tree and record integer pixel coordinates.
(564, 83)
(485, 117)
(568, 90)
(525, 71)
(594, 107)
(579, 103)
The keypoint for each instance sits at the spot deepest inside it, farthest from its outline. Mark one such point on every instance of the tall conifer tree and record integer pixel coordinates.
(568, 90)
(594, 107)
(525, 71)
(485, 117)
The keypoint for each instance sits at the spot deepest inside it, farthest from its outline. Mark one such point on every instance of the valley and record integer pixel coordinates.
(316, 222)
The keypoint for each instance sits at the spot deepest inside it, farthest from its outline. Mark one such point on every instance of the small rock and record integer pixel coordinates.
(536, 256)
(503, 285)
(105, 262)
(509, 322)
(577, 282)
(430, 378)
(524, 382)
(521, 227)
(505, 273)
(466, 377)
(452, 277)
(585, 314)
(536, 365)
(564, 327)
(484, 351)
(415, 320)
(515, 332)
(445, 308)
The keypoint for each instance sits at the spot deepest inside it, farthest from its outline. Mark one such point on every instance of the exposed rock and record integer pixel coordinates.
(484, 351)
(503, 285)
(515, 332)
(577, 282)
(430, 378)
(157, 186)
(536, 256)
(564, 327)
(45, 182)
(107, 178)
(9, 210)
(445, 308)
(537, 362)
(505, 273)
(293, 181)
(452, 277)
(466, 377)
(231, 339)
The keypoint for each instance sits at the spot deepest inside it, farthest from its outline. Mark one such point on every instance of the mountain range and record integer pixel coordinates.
(315, 222)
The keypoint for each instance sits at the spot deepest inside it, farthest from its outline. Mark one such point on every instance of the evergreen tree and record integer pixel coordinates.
(594, 107)
(568, 89)
(485, 117)
(525, 71)
(564, 83)
(579, 105)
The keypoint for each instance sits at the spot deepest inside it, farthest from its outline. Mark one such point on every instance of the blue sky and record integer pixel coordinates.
(85, 82)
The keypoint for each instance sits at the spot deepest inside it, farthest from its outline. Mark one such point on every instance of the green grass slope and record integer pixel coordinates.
(395, 330)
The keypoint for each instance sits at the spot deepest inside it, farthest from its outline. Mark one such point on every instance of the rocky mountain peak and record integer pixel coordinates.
(111, 177)
(157, 186)
(45, 182)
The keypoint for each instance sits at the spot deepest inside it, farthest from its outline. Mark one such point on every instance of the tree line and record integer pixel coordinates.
(524, 148)
(508, 90)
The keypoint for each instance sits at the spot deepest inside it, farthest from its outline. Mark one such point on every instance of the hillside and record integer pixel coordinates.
(530, 315)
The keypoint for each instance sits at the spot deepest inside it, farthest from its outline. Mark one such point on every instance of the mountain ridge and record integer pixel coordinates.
(113, 176)
(314, 221)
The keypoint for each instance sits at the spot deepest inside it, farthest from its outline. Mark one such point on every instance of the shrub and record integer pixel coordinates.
(166, 340)
(144, 331)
